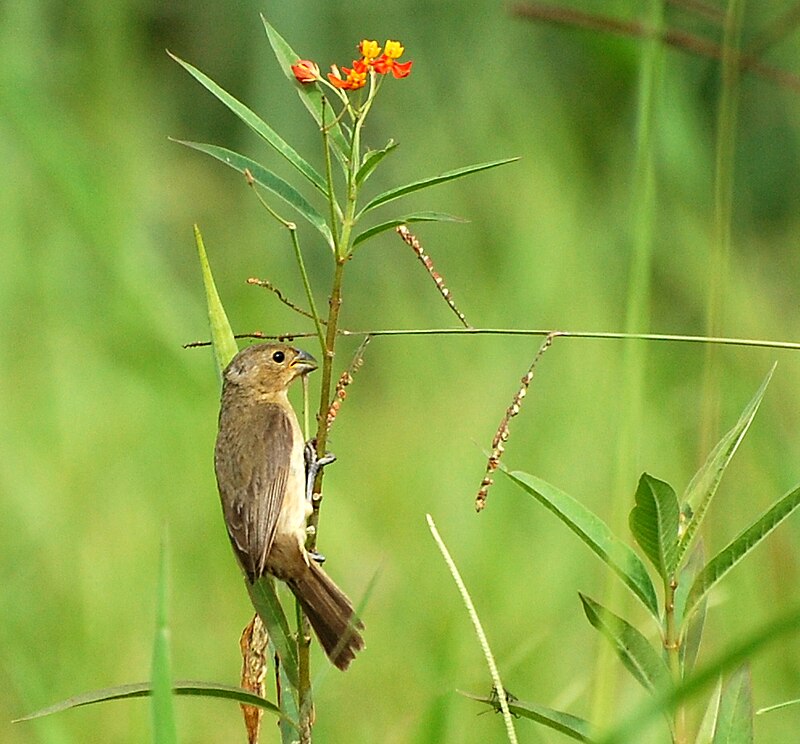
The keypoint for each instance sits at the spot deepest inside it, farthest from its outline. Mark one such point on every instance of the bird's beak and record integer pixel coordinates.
(303, 363)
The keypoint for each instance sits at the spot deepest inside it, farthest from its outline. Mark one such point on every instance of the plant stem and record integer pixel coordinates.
(306, 284)
(672, 647)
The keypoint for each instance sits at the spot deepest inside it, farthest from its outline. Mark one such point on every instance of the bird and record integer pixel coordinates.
(260, 462)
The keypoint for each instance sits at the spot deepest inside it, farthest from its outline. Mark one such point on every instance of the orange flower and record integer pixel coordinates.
(369, 50)
(387, 62)
(306, 71)
(356, 76)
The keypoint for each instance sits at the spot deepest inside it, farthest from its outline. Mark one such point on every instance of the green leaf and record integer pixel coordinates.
(371, 160)
(265, 600)
(634, 650)
(739, 547)
(143, 689)
(222, 339)
(629, 730)
(704, 484)
(596, 534)
(269, 181)
(705, 733)
(404, 220)
(161, 708)
(310, 95)
(410, 188)
(693, 633)
(258, 125)
(565, 723)
(654, 523)
(735, 719)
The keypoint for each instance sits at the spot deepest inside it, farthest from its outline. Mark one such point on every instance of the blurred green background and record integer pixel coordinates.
(108, 424)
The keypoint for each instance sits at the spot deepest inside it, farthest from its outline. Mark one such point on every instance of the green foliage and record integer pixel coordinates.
(108, 423)
(654, 522)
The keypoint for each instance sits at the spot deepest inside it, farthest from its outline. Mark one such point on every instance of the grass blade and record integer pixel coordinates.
(565, 723)
(654, 523)
(406, 219)
(487, 652)
(596, 534)
(634, 650)
(144, 689)
(739, 547)
(258, 125)
(425, 183)
(269, 181)
(265, 600)
(222, 339)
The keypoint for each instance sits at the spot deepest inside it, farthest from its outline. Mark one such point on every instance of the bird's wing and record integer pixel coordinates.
(252, 471)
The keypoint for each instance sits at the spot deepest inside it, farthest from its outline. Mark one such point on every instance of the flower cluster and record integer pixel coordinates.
(373, 58)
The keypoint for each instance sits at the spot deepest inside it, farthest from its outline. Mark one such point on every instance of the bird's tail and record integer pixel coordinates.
(330, 613)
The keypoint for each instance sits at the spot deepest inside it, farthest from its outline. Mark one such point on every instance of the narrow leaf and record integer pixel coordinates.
(161, 707)
(693, 633)
(704, 484)
(268, 606)
(222, 339)
(741, 545)
(565, 723)
(269, 181)
(258, 125)
(705, 733)
(654, 523)
(410, 188)
(143, 689)
(596, 534)
(634, 650)
(310, 95)
(371, 160)
(629, 729)
(735, 720)
(404, 220)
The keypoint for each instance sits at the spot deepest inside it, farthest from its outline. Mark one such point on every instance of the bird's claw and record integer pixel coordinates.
(316, 557)
(314, 463)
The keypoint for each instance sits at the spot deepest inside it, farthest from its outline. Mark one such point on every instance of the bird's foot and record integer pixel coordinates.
(314, 463)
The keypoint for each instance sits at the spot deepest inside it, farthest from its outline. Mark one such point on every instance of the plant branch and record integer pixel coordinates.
(675, 38)
(611, 335)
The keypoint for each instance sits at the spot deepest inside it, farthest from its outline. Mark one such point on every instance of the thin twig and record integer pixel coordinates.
(501, 436)
(681, 40)
(608, 335)
(266, 284)
(410, 239)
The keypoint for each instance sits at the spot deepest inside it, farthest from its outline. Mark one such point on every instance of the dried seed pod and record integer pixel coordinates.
(502, 433)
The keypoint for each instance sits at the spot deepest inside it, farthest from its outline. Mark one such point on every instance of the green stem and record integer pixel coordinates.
(329, 180)
(723, 210)
(306, 284)
(672, 647)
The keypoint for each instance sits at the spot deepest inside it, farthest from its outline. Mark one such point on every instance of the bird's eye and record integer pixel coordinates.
(278, 356)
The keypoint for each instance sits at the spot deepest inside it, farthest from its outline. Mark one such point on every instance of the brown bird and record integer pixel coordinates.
(261, 474)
